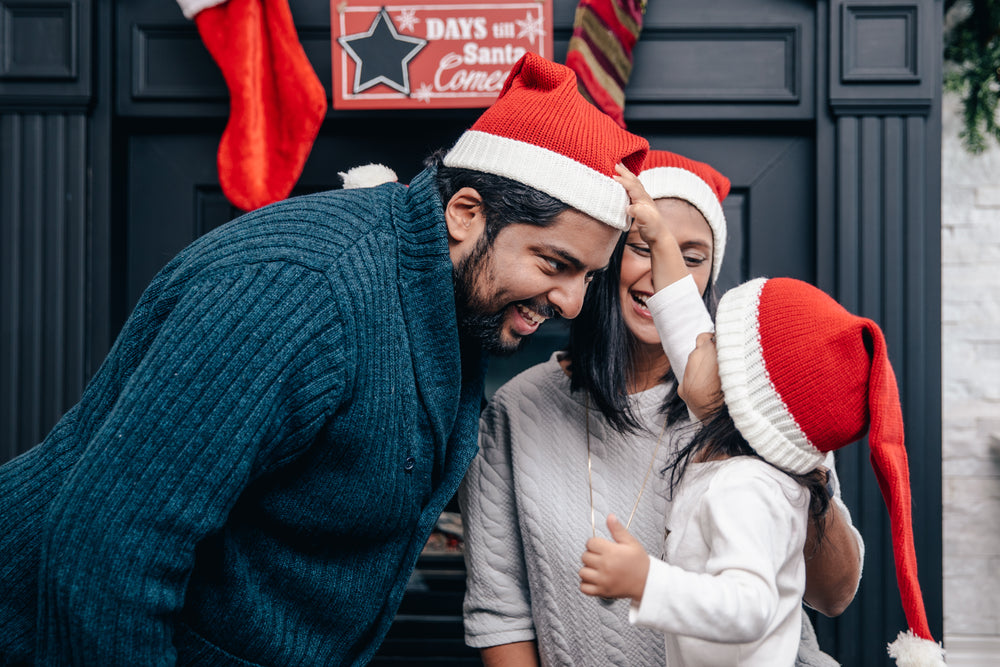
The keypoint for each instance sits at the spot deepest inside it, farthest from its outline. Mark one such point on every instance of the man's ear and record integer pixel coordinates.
(463, 214)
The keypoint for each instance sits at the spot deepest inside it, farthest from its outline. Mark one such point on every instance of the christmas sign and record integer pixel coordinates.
(442, 54)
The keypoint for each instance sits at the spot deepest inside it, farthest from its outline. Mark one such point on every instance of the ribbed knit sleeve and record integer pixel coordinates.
(217, 399)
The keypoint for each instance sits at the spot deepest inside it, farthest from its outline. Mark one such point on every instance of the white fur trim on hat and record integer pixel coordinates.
(909, 650)
(191, 8)
(367, 176)
(757, 409)
(663, 182)
(571, 182)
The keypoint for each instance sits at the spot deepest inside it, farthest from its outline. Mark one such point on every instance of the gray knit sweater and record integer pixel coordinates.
(250, 476)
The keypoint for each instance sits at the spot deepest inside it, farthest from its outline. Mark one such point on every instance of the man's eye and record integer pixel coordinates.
(555, 264)
(694, 260)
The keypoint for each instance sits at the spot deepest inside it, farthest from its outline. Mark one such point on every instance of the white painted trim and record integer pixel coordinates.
(571, 182)
(972, 650)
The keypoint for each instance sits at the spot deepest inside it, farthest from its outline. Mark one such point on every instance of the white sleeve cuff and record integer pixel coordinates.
(679, 315)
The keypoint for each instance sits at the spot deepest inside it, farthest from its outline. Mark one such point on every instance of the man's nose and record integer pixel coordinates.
(567, 298)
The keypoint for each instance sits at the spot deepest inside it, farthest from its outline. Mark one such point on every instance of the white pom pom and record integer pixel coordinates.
(910, 650)
(367, 176)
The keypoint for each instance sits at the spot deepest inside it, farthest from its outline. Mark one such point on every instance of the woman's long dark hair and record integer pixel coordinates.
(718, 437)
(601, 347)
(602, 350)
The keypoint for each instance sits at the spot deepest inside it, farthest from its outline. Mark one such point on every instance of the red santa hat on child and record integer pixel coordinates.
(669, 175)
(543, 133)
(802, 377)
(276, 101)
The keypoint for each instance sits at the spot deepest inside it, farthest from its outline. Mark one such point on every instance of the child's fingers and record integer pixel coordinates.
(597, 544)
(591, 582)
(589, 575)
(623, 170)
(633, 186)
(590, 559)
(618, 531)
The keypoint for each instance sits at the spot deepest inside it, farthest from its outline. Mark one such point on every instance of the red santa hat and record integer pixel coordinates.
(802, 377)
(543, 133)
(669, 175)
(276, 101)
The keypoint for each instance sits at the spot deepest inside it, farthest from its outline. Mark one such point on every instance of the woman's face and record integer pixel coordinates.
(693, 235)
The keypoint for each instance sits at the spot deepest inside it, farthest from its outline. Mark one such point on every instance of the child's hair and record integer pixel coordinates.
(718, 437)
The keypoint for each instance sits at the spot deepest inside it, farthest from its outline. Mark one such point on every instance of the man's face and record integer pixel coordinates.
(505, 290)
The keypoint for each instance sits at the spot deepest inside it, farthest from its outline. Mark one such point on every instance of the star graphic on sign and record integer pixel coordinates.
(381, 55)
(530, 27)
(423, 93)
(407, 19)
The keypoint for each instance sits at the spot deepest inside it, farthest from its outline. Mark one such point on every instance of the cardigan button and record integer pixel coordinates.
(409, 463)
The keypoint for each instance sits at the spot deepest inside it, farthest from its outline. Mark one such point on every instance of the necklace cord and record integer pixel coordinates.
(590, 470)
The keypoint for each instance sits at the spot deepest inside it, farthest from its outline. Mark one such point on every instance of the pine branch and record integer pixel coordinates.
(972, 47)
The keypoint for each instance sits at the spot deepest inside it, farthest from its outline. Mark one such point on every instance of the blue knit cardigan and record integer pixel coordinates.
(250, 476)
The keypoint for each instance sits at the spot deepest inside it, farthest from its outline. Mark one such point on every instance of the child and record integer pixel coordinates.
(793, 377)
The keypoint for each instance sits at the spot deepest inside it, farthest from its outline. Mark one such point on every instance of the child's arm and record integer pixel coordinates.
(668, 262)
(614, 569)
(677, 309)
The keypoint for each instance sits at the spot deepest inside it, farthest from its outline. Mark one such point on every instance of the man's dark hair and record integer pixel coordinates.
(602, 350)
(505, 201)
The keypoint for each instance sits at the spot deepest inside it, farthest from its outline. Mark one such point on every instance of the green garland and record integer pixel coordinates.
(972, 54)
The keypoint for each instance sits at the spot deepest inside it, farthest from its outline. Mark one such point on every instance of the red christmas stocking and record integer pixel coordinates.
(600, 51)
(276, 102)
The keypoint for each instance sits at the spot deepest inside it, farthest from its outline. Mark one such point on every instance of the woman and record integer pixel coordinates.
(585, 434)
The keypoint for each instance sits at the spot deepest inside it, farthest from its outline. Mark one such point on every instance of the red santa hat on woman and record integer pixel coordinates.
(802, 377)
(542, 132)
(669, 175)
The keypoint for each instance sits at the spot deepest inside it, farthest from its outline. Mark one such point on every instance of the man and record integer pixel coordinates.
(250, 476)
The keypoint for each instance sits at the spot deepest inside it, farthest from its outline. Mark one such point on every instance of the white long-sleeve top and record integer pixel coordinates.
(679, 315)
(729, 587)
(728, 590)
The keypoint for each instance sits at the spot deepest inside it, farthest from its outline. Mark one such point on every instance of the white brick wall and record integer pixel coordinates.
(970, 273)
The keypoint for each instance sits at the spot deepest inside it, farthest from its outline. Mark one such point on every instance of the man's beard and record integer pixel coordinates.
(476, 318)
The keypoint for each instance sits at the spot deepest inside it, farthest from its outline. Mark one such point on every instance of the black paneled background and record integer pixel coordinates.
(825, 114)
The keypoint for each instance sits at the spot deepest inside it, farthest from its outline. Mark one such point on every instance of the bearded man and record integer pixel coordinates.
(250, 476)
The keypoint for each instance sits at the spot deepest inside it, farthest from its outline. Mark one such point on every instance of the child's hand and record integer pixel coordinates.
(701, 388)
(667, 261)
(614, 569)
(648, 220)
